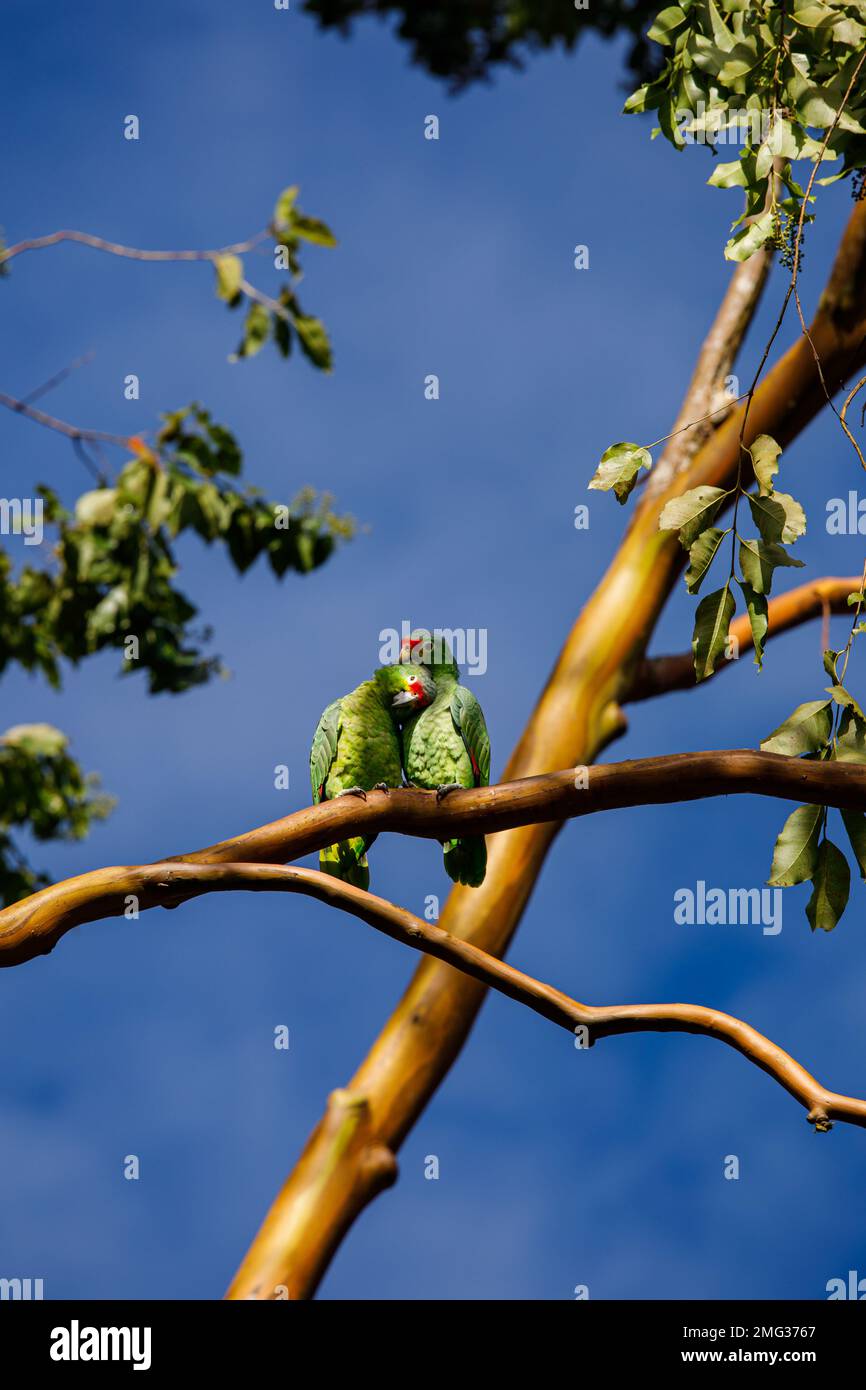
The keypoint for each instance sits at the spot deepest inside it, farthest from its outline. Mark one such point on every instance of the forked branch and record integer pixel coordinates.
(575, 715)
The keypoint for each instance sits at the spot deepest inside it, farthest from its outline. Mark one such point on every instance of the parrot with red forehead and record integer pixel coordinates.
(446, 745)
(356, 749)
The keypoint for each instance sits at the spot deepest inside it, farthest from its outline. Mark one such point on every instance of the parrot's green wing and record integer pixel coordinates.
(469, 723)
(324, 749)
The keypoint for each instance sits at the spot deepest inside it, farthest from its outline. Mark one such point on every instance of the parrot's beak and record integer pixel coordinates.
(405, 697)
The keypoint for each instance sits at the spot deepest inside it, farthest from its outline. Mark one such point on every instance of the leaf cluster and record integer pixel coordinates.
(779, 520)
(772, 78)
(833, 730)
(111, 571)
(44, 789)
(464, 41)
(281, 320)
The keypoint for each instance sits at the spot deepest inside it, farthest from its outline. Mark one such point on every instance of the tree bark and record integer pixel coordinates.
(577, 714)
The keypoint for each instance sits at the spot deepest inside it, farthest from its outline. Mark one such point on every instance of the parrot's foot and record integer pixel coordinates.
(353, 791)
(381, 787)
(442, 792)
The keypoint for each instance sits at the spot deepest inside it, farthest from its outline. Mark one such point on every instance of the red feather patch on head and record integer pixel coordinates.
(418, 691)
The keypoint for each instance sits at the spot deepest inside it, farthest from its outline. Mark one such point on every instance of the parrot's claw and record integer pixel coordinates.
(381, 787)
(442, 792)
(353, 791)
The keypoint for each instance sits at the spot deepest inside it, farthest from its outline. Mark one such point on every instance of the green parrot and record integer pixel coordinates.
(356, 748)
(446, 746)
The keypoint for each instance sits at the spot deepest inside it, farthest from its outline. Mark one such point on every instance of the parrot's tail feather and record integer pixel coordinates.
(466, 860)
(347, 861)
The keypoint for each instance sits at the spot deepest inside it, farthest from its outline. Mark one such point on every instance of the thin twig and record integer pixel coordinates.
(62, 426)
(795, 268)
(58, 377)
(261, 298)
(115, 248)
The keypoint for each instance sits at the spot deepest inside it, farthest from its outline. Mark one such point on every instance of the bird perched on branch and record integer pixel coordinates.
(446, 745)
(356, 749)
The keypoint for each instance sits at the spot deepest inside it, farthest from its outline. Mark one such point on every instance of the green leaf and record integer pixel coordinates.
(721, 36)
(666, 24)
(618, 469)
(795, 855)
(257, 326)
(812, 15)
(756, 607)
(701, 556)
(805, 731)
(96, 508)
(795, 518)
(855, 824)
(313, 229)
(740, 61)
(758, 561)
(751, 238)
(692, 513)
(229, 274)
(783, 141)
(103, 620)
(732, 175)
(841, 696)
(282, 334)
(313, 340)
(646, 98)
(851, 739)
(285, 207)
(712, 621)
(765, 462)
(226, 456)
(832, 885)
(778, 518)
(830, 659)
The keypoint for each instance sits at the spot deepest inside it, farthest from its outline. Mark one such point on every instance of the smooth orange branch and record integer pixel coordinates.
(170, 883)
(33, 926)
(288, 1249)
(657, 675)
(576, 715)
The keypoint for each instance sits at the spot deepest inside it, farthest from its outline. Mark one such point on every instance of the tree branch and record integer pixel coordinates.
(348, 1120)
(73, 432)
(577, 714)
(657, 675)
(57, 378)
(696, 419)
(115, 248)
(33, 926)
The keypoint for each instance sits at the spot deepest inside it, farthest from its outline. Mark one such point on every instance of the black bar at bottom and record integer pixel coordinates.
(65, 1338)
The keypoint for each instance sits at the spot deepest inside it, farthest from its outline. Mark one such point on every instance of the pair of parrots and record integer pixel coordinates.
(414, 718)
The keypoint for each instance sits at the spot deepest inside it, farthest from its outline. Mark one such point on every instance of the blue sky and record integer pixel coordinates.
(154, 1037)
